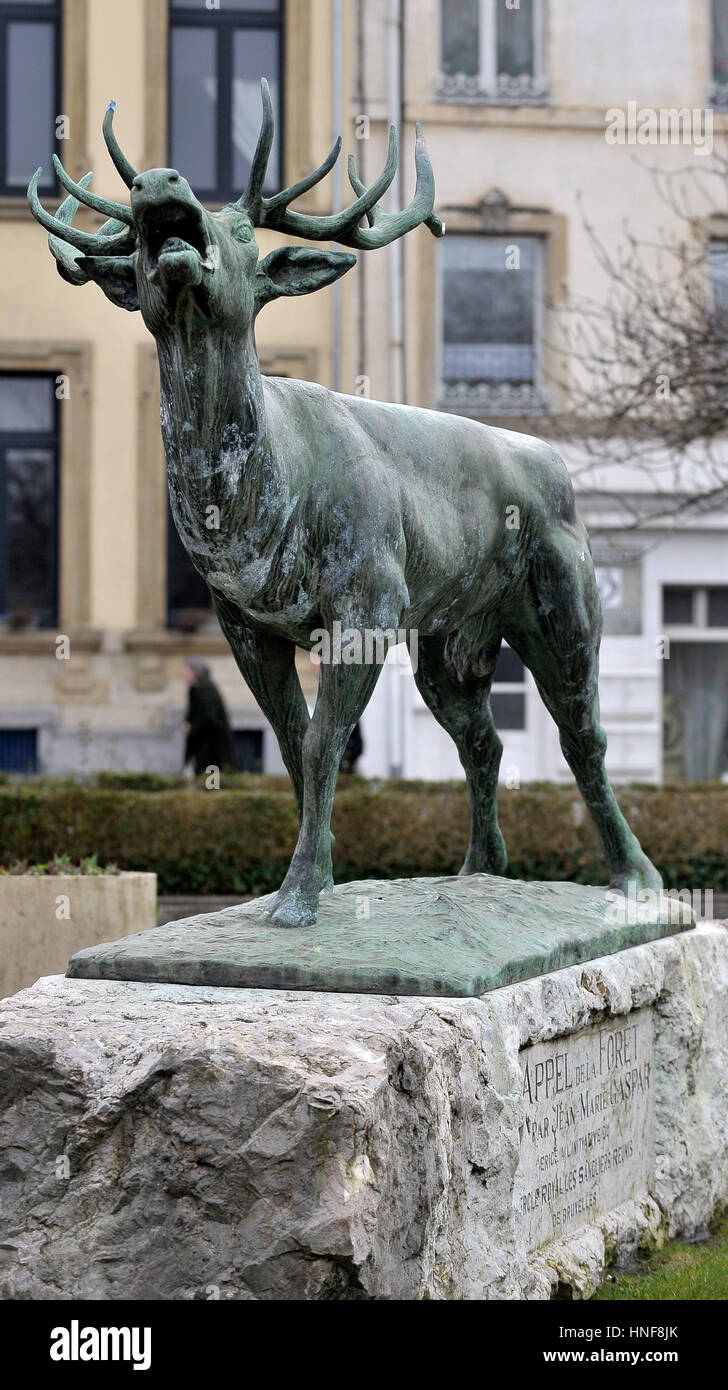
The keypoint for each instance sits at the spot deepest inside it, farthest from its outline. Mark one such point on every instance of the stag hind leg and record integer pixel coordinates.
(556, 631)
(462, 707)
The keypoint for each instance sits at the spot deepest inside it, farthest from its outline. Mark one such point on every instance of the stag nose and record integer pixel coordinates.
(155, 185)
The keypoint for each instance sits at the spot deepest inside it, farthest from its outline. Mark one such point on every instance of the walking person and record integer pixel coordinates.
(209, 741)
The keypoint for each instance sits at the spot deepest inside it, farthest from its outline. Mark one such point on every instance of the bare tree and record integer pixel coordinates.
(646, 370)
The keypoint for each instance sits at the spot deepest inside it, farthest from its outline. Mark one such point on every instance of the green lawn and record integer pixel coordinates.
(678, 1271)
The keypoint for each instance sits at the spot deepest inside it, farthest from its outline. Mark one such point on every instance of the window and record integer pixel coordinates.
(619, 581)
(695, 683)
(718, 93)
(490, 310)
(18, 750)
(718, 608)
(216, 60)
(695, 712)
(30, 86)
(491, 52)
(28, 500)
(718, 273)
(248, 749)
(685, 606)
(189, 605)
(677, 605)
(508, 695)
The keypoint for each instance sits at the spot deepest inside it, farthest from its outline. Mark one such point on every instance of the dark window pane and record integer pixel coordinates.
(461, 37)
(30, 518)
(188, 596)
(509, 709)
(193, 130)
(19, 750)
(255, 55)
(488, 309)
(515, 51)
(509, 668)
(30, 103)
(717, 607)
(248, 749)
(26, 404)
(720, 41)
(677, 605)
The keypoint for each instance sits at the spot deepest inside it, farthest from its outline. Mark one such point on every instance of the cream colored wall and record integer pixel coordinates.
(38, 305)
(597, 56)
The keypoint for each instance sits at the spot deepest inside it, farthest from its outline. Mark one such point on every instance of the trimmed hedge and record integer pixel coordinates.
(240, 840)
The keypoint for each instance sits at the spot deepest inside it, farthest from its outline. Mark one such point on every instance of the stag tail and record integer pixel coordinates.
(116, 238)
(383, 227)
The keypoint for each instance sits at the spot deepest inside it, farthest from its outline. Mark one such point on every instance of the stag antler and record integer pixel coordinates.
(342, 226)
(115, 238)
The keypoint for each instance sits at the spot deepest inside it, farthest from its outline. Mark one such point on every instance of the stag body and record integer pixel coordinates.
(302, 508)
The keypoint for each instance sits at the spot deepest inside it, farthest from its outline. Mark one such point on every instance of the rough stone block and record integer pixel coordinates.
(167, 1142)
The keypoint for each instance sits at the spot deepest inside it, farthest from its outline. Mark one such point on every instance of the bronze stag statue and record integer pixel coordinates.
(334, 509)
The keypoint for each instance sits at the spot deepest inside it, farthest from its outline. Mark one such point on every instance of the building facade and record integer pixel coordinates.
(98, 604)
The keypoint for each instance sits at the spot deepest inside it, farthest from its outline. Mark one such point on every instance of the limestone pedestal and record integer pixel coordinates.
(164, 1141)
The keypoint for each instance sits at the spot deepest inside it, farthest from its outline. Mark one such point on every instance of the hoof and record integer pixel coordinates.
(636, 879)
(493, 861)
(293, 907)
(641, 898)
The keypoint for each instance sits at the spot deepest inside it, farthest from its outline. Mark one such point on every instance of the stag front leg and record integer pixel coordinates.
(344, 692)
(267, 664)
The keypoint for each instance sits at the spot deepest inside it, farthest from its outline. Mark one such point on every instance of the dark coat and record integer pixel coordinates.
(353, 751)
(209, 741)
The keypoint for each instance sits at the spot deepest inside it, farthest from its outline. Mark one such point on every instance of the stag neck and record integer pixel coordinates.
(213, 386)
(215, 429)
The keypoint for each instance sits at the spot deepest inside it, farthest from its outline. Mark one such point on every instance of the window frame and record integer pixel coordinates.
(26, 357)
(37, 14)
(505, 398)
(698, 629)
(38, 439)
(224, 23)
(488, 86)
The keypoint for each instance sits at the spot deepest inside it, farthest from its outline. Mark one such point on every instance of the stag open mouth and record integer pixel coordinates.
(173, 239)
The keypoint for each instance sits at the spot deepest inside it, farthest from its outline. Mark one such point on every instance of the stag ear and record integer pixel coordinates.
(115, 275)
(298, 270)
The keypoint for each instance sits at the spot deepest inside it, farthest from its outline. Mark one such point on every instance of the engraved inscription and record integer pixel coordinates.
(587, 1139)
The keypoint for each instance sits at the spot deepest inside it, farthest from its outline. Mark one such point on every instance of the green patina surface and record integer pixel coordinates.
(306, 511)
(429, 936)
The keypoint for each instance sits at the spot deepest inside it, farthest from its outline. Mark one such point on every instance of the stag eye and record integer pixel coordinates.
(242, 231)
